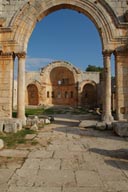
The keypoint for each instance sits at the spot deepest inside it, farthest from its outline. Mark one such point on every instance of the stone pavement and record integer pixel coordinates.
(67, 159)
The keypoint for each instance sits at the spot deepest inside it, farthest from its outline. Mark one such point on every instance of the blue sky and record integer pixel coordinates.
(64, 35)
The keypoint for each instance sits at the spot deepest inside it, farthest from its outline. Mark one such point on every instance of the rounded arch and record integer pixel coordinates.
(33, 96)
(83, 83)
(61, 80)
(89, 94)
(55, 64)
(35, 10)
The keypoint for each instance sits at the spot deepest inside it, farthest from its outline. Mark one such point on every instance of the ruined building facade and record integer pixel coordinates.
(61, 83)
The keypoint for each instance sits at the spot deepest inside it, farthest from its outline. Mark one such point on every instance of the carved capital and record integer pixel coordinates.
(121, 51)
(107, 53)
(21, 55)
(6, 54)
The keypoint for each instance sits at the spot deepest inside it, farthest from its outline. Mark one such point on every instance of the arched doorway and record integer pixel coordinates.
(89, 96)
(33, 98)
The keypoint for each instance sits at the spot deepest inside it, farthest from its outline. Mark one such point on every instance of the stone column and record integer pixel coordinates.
(6, 84)
(107, 116)
(21, 87)
(121, 70)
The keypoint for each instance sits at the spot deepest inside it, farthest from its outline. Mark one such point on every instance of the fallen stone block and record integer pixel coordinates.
(88, 123)
(120, 128)
(101, 126)
(10, 128)
(34, 127)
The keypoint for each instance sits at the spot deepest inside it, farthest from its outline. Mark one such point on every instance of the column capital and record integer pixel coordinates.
(121, 51)
(21, 55)
(107, 53)
(6, 54)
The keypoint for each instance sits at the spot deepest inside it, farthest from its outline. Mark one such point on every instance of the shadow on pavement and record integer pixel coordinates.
(118, 153)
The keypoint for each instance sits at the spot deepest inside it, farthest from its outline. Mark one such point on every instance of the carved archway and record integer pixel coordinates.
(99, 12)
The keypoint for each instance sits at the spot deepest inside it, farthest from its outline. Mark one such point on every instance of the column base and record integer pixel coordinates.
(23, 120)
(107, 118)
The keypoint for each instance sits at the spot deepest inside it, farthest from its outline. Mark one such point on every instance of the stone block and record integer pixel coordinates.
(120, 128)
(88, 123)
(10, 128)
(34, 127)
(101, 126)
(1, 126)
(1, 144)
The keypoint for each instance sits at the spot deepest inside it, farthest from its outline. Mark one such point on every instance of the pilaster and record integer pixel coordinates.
(6, 84)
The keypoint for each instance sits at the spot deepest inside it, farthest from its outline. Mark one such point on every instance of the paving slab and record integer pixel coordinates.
(5, 175)
(34, 189)
(24, 178)
(13, 153)
(55, 178)
(88, 179)
(41, 154)
(50, 164)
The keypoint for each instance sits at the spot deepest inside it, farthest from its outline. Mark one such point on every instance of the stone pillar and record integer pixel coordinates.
(107, 115)
(6, 84)
(121, 71)
(21, 87)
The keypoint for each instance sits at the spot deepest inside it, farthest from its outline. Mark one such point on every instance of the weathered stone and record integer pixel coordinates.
(88, 123)
(10, 128)
(101, 126)
(1, 144)
(1, 126)
(120, 128)
(34, 127)
(47, 121)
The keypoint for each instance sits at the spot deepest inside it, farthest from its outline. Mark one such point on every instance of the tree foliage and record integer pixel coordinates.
(94, 68)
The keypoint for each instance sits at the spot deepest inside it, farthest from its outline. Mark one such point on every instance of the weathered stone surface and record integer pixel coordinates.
(88, 123)
(101, 126)
(34, 127)
(10, 128)
(1, 126)
(1, 144)
(120, 128)
(13, 153)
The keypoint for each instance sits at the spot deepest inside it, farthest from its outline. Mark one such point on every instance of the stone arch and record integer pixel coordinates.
(33, 11)
(60, 79)
(47, 69)
(33, 95)
(89, 94)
